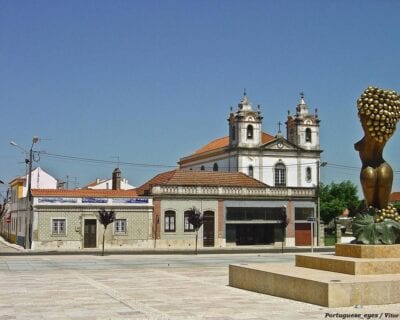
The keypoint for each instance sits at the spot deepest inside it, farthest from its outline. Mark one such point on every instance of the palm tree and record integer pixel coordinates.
(105, 218)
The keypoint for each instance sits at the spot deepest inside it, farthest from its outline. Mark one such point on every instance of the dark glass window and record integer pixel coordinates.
(169, 221)
(215, 167)
(249, 131)
(251, 171)
(308, 135)
(303, 213)
(308, 174)
(267, 213)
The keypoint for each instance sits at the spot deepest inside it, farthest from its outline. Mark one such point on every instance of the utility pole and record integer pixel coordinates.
(28, 216)
(319, 165)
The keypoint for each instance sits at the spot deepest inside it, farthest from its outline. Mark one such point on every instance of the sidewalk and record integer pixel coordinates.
(7, 248)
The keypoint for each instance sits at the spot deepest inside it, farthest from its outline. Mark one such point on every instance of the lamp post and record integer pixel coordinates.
(319, 165)
(28, 220)
(284, 223)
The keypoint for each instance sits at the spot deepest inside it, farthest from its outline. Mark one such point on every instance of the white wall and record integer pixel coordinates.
(40, 180)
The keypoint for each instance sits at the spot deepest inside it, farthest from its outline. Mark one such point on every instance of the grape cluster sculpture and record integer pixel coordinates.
(379, 112)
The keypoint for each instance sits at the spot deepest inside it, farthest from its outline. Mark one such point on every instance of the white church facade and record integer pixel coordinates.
(275, 160)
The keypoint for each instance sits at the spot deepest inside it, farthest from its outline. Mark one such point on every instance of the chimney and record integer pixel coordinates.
(116, 179)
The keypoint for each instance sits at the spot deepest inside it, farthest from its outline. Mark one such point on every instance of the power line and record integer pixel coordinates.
(102, 161)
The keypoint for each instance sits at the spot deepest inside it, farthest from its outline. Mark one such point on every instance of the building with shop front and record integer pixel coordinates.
(237, 210)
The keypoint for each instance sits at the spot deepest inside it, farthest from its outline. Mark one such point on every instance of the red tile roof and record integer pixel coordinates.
(78, 193)
(224, 142)
(395, 196)
(200, 178)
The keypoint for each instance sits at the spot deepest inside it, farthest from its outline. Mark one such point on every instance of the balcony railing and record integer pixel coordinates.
(269, 192)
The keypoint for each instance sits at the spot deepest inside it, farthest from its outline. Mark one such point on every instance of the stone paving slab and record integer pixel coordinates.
(113, 290)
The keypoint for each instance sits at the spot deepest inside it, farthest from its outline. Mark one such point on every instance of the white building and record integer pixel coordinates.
(14, 230)
(104, 184)
(277, 161)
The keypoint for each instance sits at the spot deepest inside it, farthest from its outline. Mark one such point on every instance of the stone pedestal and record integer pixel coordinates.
(356, 274)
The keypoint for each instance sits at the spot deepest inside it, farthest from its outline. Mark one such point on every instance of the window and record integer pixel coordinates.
(215, 167)
(202, 168)
(308, 174)
(58, 227)
(308, 135)
(188, 226)
(233, 133)
(249, 131)
(280, 175)
(169, 221)
(251, 171)
(303, 213)
(120, 226)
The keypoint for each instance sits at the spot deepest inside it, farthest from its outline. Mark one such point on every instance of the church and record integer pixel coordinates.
(275, 160)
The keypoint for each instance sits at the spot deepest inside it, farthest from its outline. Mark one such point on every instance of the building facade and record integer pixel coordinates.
(67, 219)
(13, 223)
(237, 210)
(277, 161)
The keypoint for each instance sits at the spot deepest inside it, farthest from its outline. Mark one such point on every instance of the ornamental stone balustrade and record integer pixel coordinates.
(270, 192)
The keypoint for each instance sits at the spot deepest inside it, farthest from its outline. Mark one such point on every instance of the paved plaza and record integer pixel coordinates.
(149, 287)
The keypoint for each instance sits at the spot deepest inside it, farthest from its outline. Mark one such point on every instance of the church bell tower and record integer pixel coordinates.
(303, 128)
(245, 125)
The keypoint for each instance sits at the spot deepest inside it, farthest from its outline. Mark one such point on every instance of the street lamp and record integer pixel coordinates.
(28, 220)
(284, 222)
(319, 165)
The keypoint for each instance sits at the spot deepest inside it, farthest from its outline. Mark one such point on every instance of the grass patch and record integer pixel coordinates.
(330, 240)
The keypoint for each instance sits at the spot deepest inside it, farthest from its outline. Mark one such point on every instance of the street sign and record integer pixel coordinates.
(311, 219)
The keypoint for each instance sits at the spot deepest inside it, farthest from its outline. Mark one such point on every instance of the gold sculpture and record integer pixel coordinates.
(379, 111)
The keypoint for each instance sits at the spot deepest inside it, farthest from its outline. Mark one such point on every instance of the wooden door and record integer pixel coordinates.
(208, 229)
(90, 236)
(303, 234)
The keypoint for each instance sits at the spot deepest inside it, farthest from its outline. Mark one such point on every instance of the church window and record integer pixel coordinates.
(233, 133)
(215, 167)
(251, 171)
(308, 135)
(308, 174)
(280, 175)
(249, 131)
(202, 168)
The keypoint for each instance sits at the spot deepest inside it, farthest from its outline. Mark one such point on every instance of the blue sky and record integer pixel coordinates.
(152, 81)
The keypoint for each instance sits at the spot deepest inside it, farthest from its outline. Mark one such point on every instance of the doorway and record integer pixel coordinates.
(303, 234)
(208, 229)
(90, 236)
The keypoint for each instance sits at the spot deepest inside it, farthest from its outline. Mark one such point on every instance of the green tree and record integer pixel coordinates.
(196, 219)
(335, 197)
(105, 218)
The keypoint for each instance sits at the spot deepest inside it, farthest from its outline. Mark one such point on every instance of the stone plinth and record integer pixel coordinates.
(367, 251)
(324, 288)
(348, 265)
(357, 274)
